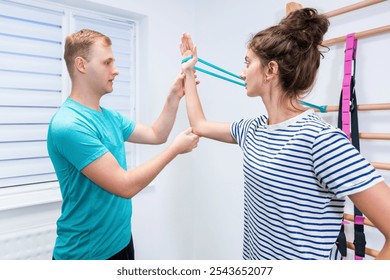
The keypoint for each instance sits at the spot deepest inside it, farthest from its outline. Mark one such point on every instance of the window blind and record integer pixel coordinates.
(32, 80)
(30, 90)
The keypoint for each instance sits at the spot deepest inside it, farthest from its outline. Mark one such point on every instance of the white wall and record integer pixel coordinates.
(221, 30)
(194, 209)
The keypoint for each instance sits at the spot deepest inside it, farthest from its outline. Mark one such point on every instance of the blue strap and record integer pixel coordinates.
(217, 68)
(322, 109)
(219, 76)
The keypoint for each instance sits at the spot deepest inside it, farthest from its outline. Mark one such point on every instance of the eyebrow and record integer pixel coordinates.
(110, 59)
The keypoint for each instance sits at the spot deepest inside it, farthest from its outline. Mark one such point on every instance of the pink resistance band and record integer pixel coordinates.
(350, 55)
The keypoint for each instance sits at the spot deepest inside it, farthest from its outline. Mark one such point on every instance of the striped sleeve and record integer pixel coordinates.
(339, 166)
(239, 129)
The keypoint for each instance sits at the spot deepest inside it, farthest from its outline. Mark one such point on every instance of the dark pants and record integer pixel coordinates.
(126, 253)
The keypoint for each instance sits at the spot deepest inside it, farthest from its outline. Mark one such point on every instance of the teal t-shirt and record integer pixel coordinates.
(94, 223)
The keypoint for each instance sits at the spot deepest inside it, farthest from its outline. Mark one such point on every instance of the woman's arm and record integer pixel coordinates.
(158, 133)
(375, 204)
(219, 131)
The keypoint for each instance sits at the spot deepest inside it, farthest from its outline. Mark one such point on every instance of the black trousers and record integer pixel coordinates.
(126, 253)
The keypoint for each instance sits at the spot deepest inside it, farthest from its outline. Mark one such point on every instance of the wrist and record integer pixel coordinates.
(173, 97)
(190, 72)
(172, 150)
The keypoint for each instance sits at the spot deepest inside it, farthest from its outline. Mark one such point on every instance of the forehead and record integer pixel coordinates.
(250, 54)
(100, 48)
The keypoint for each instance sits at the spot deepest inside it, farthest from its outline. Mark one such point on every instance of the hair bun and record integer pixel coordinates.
(306, 26)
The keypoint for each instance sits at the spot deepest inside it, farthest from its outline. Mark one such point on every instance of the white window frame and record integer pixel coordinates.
(36, 194)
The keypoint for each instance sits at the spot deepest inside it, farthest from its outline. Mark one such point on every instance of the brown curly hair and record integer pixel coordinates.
(295, 45)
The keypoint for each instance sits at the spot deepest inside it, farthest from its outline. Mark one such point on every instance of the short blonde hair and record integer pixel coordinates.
(79, 44)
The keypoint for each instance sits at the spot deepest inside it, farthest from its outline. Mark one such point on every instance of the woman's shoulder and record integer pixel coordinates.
(316, 124)
(255, 121)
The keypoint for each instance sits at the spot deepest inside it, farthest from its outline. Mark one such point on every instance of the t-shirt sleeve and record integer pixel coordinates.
(339, 166)
(78, 144)
(127, 126)
(239, 130)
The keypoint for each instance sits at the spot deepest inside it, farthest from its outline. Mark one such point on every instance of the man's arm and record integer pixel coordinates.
(108, 174)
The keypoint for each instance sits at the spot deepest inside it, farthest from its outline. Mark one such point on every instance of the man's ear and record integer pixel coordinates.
(80, 64)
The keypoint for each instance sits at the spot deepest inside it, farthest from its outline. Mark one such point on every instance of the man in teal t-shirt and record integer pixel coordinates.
(86, 146)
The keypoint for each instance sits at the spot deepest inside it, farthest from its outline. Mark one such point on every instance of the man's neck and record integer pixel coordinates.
(89, 100)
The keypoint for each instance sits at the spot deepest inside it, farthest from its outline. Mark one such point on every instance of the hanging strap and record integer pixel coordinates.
(341, 241)
(350, 55)
(348, 122)
(360, 238)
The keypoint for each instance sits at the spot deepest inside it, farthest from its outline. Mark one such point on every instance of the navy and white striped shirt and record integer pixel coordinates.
(297, 174)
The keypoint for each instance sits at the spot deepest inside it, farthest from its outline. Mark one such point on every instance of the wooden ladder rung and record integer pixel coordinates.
(362, 107)
(375, 136)
(368, 251)
(352, 7)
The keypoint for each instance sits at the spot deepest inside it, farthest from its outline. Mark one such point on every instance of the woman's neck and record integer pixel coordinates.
(280, 110)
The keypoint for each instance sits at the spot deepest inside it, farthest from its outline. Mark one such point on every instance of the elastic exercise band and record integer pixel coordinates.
(217, 68)
(219, 76)
(322, 109)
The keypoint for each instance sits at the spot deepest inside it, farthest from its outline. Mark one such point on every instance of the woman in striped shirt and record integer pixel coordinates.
(297, 168)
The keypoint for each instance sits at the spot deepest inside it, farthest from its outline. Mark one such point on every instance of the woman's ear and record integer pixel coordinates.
(272, 69)
(80, 64)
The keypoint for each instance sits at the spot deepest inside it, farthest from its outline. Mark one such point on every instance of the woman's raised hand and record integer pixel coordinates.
(188, 49)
